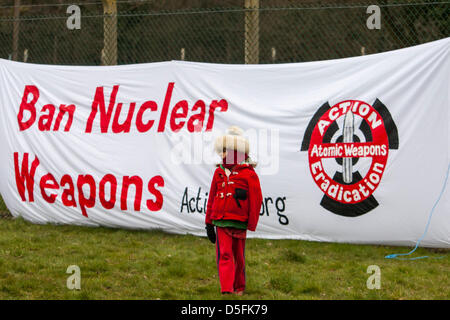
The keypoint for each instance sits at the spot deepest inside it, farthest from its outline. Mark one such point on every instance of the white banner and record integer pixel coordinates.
(351, 150)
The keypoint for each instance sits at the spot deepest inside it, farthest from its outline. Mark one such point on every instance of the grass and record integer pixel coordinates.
(123, 264)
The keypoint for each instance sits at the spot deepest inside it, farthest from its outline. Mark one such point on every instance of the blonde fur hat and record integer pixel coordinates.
(232, 140)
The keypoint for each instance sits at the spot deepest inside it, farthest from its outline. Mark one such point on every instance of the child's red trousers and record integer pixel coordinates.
(230, 253)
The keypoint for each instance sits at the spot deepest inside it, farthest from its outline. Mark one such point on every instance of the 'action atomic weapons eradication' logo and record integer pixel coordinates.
(351, 141)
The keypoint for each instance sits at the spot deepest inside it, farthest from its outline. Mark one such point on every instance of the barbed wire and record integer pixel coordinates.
(360, 5)
(72, 3)
(217, 10)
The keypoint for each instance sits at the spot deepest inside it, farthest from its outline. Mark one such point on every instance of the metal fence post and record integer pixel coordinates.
(251, 31)
(16, 24)
(109, 52)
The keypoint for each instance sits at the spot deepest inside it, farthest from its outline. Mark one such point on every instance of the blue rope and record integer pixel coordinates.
(395, 255)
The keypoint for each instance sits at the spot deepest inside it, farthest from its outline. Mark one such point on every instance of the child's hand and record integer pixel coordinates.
(210, 232)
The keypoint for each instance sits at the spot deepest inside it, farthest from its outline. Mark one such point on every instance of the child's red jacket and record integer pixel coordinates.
(223, 204)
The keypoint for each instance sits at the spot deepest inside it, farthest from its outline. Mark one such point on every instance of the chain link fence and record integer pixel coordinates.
(228, 31)
(274, 31)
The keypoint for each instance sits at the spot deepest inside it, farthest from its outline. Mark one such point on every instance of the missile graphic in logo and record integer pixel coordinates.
(347, 165)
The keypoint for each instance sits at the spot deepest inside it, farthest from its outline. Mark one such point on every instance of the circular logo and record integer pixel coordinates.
(348, 146)
(348, 150)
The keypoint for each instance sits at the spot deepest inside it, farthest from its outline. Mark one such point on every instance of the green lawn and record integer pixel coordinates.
(122, 264)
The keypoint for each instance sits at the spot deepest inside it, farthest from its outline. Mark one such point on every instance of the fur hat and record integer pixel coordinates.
(232, 140)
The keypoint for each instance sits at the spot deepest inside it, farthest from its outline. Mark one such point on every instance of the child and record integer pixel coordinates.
(234, 203)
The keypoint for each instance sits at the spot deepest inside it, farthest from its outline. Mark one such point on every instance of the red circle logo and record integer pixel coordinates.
(347, 149)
